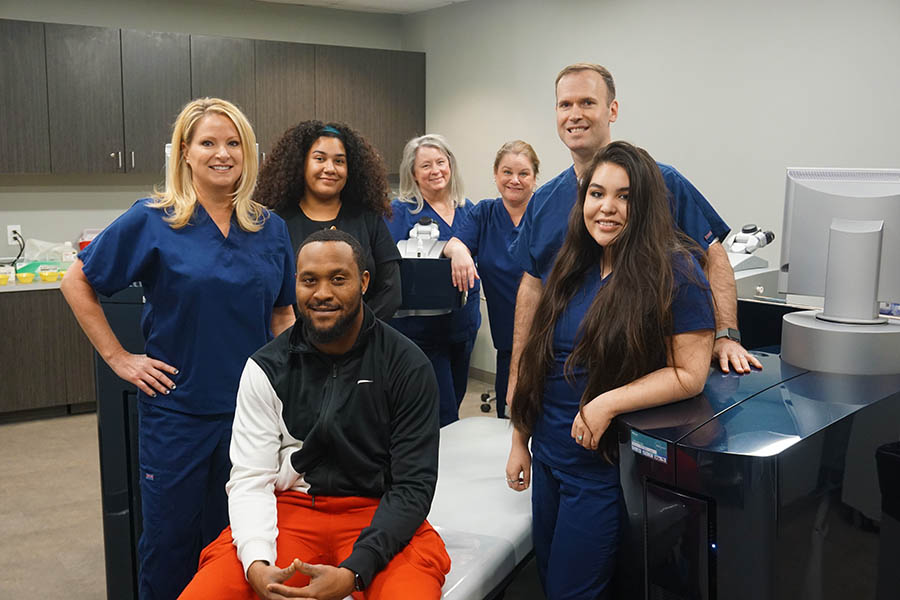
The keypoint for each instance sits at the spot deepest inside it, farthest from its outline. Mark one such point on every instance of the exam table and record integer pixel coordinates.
(485, 525)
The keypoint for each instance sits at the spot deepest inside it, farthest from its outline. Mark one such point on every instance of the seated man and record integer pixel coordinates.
(335, 453)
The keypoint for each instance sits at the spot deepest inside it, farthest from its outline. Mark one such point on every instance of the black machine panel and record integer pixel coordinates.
(782, 463)
(117, 425)
(679, 544)
(427, 285)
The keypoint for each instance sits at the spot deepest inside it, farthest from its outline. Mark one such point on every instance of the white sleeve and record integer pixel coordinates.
(255, 445)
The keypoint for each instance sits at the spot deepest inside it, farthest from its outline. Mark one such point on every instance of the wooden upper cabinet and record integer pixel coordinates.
(24, 127)
(406, 119)
(285, 89)
(375, 92)
(84, 90)
(223, 68)
(78, 99)
(156, 84)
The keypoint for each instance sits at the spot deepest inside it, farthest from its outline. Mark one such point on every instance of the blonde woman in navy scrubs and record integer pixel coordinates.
(625, 322)
(218, 276)
(430, 186)
(487, 233)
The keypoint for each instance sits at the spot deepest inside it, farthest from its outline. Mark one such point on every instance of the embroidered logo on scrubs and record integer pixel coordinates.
(708, 236)
(364, 381)
(149, 476)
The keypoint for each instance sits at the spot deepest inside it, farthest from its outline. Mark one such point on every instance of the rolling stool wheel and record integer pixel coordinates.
(486, 402)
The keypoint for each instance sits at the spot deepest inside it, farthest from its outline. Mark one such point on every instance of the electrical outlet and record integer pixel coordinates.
(9, 234)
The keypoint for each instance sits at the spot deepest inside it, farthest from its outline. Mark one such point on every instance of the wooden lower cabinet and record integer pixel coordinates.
(47, 360)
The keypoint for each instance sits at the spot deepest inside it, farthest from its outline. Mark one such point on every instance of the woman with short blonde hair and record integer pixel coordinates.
(487, 234)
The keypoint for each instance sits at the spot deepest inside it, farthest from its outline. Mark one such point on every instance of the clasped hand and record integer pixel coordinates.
(326, 582)
(590, 423)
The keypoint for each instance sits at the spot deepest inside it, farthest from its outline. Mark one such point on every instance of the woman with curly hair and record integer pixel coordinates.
(327, 176)
(625, 322)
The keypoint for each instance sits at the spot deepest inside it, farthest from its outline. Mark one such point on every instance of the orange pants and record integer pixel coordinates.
(322, 530)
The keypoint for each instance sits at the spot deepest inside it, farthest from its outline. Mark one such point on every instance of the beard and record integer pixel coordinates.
(335, 332)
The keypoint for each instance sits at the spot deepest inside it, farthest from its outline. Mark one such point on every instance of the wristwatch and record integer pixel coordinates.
(731, 334)
(358, 584)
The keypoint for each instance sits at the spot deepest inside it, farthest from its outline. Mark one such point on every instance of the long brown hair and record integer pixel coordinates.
(625, 332)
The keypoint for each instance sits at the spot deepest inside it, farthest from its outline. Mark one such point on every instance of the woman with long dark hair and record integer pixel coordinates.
(327, 176)
(625, 322)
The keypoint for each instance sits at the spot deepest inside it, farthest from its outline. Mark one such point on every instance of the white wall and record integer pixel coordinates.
(57, 208)
(729, 92)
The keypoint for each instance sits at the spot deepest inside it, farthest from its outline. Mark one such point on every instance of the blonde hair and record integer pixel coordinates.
(518, 147)
(409, 189)
(179, 199)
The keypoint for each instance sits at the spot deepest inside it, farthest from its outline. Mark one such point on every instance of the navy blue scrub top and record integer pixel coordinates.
(459, 325)
(543, 228)
(552, 442)
(488, 232)
(209, 299)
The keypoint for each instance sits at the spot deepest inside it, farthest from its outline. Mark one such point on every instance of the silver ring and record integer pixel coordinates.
(579, 438)
(512, 481)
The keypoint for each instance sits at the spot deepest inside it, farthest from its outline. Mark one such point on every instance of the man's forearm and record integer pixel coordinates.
(724, 290)
(526, 305)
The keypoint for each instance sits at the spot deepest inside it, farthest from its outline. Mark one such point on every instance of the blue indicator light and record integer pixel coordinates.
(713, 546)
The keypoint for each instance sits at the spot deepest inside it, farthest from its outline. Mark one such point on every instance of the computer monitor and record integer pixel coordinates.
(813, 198)
(841, 240)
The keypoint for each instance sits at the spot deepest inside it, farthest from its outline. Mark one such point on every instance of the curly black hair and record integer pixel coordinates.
(282, 179)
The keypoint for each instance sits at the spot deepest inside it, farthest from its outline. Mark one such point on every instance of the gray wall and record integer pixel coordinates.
(731, 93)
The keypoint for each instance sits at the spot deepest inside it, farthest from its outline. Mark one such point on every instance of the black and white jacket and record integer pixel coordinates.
(361, 424)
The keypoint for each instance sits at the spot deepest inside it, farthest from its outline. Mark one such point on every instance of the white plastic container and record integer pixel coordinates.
(69, 253)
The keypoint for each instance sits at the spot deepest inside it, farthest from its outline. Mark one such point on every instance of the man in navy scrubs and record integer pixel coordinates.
(585, 109)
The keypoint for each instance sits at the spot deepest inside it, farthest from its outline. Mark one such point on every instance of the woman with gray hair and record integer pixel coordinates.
(430, 186)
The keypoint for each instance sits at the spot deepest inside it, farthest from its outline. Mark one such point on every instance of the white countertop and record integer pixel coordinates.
(36, 285)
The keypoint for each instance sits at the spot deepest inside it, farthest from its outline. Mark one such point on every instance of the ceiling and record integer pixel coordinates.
(397, 7)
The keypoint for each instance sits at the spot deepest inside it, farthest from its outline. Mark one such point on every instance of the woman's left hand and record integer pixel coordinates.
(463, 271)
(462, 266)
(588, 429)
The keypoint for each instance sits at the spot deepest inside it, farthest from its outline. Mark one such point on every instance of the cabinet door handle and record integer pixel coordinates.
(132, 159)
(263, 157)
(120, 159)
